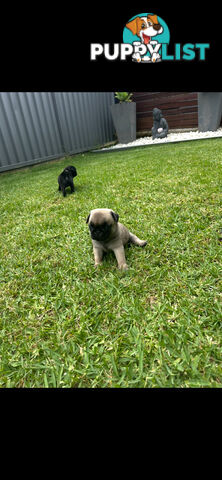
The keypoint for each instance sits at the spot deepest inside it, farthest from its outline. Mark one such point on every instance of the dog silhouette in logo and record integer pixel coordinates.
(145, 28)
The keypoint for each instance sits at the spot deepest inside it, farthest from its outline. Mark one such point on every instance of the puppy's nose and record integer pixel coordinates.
(157, 26)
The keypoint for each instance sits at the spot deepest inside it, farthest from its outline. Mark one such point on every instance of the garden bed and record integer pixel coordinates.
(171, 138)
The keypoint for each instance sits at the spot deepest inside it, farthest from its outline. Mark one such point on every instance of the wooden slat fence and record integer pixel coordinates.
(179, 108)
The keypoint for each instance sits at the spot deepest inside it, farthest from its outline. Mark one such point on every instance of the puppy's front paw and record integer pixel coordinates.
(123, 266)
(97, 264)
(143, 243)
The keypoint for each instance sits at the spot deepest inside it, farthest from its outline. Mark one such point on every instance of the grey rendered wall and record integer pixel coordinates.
(209, 111)
(39, 126)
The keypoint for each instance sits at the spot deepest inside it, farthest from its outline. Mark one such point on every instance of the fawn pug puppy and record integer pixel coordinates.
(108, 233)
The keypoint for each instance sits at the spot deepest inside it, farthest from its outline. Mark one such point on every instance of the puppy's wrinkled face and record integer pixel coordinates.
(101, 224)
(100, 232)
(71, 171)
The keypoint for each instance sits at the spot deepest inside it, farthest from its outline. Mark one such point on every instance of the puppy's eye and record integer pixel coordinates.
(143, 25)
(150, 24)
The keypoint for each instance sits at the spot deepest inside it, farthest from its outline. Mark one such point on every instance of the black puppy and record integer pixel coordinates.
(65, 179)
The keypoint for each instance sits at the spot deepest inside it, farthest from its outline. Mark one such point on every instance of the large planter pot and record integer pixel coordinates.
(124, 119)
(209, 111)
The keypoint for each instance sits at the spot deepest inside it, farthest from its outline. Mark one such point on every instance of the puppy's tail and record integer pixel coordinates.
(136, 241)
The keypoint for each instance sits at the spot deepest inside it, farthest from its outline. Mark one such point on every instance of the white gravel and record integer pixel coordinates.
(171, 137)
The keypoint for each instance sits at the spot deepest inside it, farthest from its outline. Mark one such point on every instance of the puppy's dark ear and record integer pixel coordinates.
(115, 216)
(87, 218)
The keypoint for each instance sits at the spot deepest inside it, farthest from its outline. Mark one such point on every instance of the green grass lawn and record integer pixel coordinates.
(65, 323)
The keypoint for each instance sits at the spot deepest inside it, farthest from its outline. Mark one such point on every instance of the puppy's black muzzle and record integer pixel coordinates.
(99, 234)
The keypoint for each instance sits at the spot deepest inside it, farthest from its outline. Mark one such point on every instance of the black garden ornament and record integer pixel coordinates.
(160, 125)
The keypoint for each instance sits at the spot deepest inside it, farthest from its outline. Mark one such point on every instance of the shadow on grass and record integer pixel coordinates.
(78, 188)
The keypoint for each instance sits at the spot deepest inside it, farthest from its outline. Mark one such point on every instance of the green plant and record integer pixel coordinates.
(123, 96)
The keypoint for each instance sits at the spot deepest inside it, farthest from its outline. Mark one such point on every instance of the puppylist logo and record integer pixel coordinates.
(146, 38)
